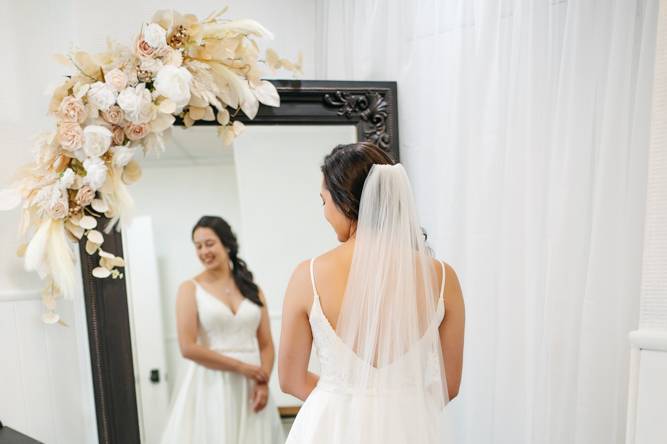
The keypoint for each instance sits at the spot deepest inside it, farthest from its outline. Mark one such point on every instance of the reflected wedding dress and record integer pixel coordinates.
(382, 378)
(214, 406)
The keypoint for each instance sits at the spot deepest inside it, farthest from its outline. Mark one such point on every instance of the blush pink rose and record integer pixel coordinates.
(118, 135)
(144, 49)
(84, 196)
(72, 110)
(70, 136)
(137, 131)
(114, 115)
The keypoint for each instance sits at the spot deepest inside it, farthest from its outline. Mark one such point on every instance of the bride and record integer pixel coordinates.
(223, 328)
(390, 353)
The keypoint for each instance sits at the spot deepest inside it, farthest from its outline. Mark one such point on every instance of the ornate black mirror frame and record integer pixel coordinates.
(371, 106)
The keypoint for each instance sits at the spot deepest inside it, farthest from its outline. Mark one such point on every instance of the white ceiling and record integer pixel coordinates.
(198, 145)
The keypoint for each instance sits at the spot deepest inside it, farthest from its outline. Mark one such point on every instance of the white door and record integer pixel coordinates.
(147, 327)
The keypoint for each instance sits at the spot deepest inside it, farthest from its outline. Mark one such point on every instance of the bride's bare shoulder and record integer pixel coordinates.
(453, 291)
(301, 274)
(451, 278)
(187, 286)
(300, 286)
(299, 294)
(341, 254)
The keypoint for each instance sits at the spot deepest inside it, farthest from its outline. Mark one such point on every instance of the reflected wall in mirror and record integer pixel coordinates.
(267, 187)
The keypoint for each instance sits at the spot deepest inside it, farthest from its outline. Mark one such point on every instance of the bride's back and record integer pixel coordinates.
(373, 308)
(331, 271)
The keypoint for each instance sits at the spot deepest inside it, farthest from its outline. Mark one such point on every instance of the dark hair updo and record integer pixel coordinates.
(242, 275)
(345, 170)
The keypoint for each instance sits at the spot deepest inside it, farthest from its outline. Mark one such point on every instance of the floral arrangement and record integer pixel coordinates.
(115, 106)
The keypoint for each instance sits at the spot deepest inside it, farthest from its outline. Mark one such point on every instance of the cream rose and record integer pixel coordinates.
(113, 115)
(117, 79)
(59, 209)
(137, 104)
(72, 110)
(171, 56)
(70, 136)
(174, 83)
(96, 140)
(96, 172)
(137, 131)
(101, 95)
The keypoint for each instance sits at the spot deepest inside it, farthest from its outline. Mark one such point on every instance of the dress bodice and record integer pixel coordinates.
(221, 329)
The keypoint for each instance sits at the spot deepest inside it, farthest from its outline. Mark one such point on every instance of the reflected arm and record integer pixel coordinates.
(264, 339)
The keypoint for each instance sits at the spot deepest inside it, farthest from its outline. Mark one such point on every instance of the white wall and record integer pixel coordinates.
(647, 400)
(45, 379)
(651, 424)
(278, 169)
(31, 31)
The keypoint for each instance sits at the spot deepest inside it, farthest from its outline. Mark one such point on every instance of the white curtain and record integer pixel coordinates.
(524, 128)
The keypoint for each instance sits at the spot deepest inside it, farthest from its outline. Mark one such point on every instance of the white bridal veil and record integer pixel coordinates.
(392, 310)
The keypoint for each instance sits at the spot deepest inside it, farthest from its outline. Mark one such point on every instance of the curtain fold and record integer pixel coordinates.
(524, 129)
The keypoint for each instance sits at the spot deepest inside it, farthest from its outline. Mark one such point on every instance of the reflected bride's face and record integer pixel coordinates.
(210, 251)
(338, 221)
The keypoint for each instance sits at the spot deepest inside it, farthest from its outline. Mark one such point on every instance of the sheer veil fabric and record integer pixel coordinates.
(393, 304)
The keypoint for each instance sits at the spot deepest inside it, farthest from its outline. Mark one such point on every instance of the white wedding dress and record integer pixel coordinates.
(382, 375)
(214, 406)
(336, 412)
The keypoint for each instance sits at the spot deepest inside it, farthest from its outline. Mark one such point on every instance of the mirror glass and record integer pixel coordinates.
(266, 186)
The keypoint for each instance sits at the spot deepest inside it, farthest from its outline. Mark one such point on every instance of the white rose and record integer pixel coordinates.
(122, 155)
(171, 56)
(150, 65)
(137, 104)
(101, 95)
(116, 78)
(155, 35)
(174, 83)
(96, 173)
(66, 179)
(96, 140)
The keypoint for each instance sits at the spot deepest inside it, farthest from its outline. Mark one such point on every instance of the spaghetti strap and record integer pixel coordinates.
(312, 279)
(442, 286)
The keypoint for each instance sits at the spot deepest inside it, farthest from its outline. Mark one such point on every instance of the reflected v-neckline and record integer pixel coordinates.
(233, 313)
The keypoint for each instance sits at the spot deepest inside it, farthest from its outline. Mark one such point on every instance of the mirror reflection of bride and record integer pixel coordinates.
(223, 329)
